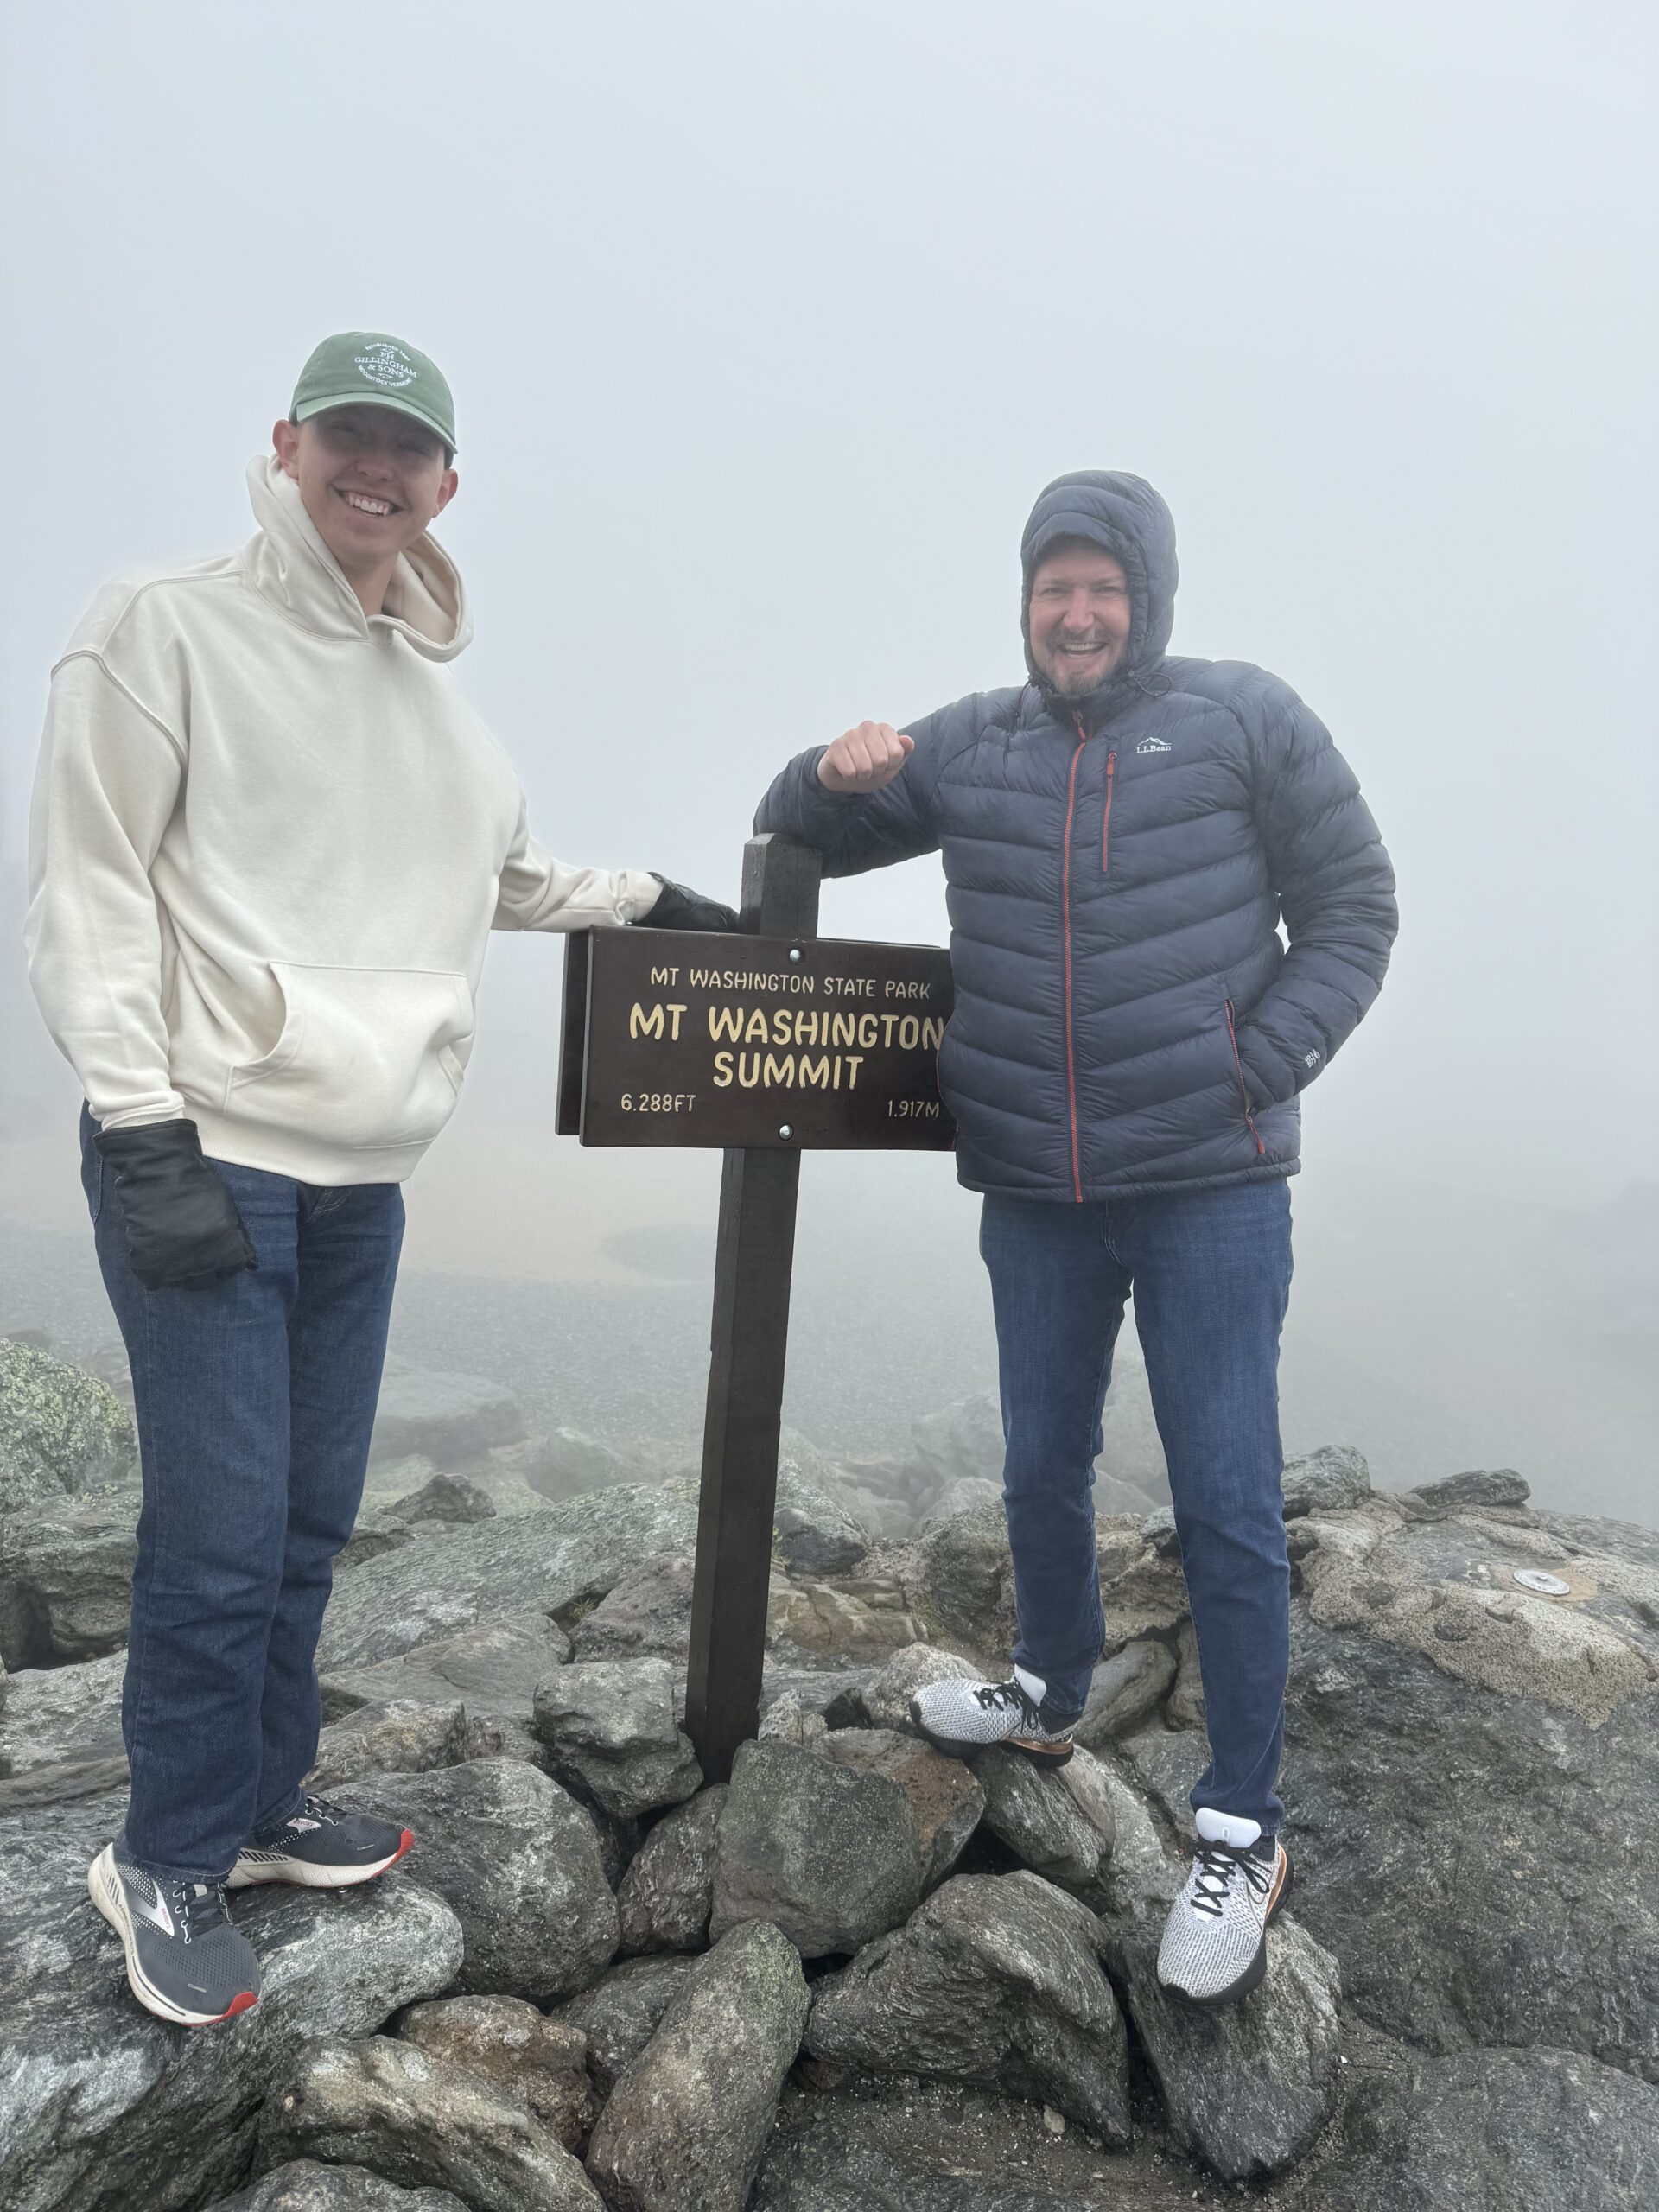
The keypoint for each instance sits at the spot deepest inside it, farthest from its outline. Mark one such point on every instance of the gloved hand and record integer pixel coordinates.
(183, 1230)
(677, 908)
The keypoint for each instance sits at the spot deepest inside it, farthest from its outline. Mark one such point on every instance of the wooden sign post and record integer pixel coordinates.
(766, 1043)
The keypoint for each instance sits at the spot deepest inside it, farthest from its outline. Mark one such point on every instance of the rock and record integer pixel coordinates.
(389, 1480)
(621, 2013)
(1084, 1780)
(1325, 1481)
(451, 1418)
(61, 1431)
(541, 2062)
(829, 1854)
(1184, 1706)
(1158, 1529)
(448, 1498)
(402, 1736)
(792, 1720)
(1487, 2131)
(304, 2186)
(958, 1581)
(815, 1532)
(539, 1563)
(611, 1733)
(664, 1899)
(1126, 1687)
(858, 1623)
(963, 1495)
(1037, 1816)
(1132, 1453)
(886, 1700)
(380, 1528)
(945, 1800)
(684, 2134)
(963, 1441)
(565, 1464)
(493, 1669)
(422, 2122)
(1248, 2088)
(519, 1862)
(647, 1616)
(101, 2105)
(66, 1579)
(997, 1979)
(53, 1715)
(1481, 1486)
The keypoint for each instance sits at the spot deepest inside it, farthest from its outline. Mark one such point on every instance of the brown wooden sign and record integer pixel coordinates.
(673, 1037)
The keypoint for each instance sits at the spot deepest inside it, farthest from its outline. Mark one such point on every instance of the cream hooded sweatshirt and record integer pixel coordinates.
(268, 843)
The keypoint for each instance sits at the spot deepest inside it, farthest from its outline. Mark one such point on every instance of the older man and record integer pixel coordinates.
(1122, 836)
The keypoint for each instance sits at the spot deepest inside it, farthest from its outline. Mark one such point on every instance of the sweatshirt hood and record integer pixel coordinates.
(1127, 519)
(288, 563)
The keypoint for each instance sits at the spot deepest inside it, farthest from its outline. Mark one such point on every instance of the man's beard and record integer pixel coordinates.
(1071, 682)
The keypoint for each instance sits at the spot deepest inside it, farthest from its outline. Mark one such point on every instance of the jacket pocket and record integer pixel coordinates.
(371, 1058)
(1238, 1071)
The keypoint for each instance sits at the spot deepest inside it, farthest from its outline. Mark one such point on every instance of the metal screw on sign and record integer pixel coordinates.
(783, 1130)
(1545, 1585)
(795, 952)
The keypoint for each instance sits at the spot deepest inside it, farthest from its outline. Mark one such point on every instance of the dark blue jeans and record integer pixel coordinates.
(255, 1403)
(1210, 1271)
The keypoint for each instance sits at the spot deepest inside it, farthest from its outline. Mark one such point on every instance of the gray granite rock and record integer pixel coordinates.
(57, 1715)
(1325, 1481)
(621, 2013)
(664, 1897)
(886, 1698)
(61, 1430)
(541, 2062)
(1125, 1689)
(647, 1616)
(961, 1442)
(686, 2123)
(815, 1530)
(1184, 1706)
(793, 1720)
(544, 1563)
(451, 1418)
(302, 2185)
(447, 1497)
(424, 2122)
(518, 1861)
(964, 1495)
(997, 1980)
(66, 1578)
(612, 1734)
(493, 1668)
(401, 1735)
(564, 1463)
(1039, 1819)
(945, 1800)
(959, 1579)
(828, 1854)
(104, 2106)
(1479, 1486)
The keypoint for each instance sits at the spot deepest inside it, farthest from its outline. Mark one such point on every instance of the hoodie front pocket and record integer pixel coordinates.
(368, 1056)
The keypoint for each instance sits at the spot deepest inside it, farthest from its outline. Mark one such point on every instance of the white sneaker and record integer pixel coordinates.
(960, 1718)
(1215, 1946)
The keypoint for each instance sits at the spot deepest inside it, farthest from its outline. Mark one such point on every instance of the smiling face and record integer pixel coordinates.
(372, 480)
(1080, 617)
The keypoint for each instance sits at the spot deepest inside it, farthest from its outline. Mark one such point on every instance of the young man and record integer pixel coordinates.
(1122, 836)
(269, 842)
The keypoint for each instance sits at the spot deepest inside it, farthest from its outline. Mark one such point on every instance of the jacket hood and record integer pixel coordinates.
(1127, 519)
(288, 563)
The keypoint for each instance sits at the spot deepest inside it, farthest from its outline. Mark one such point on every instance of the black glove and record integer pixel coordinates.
(183, 1230)
(677, 908)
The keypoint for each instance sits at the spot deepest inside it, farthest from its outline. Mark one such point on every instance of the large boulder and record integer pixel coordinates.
(61, 1430)
(66, 1578)
(815, 1530)
(622, 2011)
(687, 2122)
(1040, 1819)
(831, 1855)
(422, 2121)
(613, 1736)
(547, 1563)
(517, 1859)
(541, 2062)
(454, 1418)
(664, 1899)
(401, 1736)
(995, 1980)
(302, 2185)
(1126, 1687)
(102, 2105)
(945, 1800)
(63, 1717)
(963, 1442)
(888, 1697)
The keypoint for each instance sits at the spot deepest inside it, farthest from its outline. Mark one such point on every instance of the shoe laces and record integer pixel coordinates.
(197, 1907)
(999, 1697)
(1218, 1863)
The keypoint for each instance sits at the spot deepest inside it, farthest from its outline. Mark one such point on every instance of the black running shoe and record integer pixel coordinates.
(322, 1847)
(186, 1960)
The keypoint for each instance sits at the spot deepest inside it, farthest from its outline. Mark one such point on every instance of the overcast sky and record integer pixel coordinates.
(766, 324)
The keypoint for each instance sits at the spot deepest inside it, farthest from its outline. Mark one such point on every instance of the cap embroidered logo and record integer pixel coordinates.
(385, 364)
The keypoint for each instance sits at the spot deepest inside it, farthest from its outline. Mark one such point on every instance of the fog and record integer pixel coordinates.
(765, 324)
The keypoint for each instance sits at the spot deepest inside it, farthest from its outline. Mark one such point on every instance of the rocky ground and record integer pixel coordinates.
(858, 1977)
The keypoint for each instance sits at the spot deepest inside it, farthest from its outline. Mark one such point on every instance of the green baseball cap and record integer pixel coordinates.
(369, 368)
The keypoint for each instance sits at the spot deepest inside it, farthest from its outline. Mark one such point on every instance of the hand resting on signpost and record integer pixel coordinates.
(865, 758)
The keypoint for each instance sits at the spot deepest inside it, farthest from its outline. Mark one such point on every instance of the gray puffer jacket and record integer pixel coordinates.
(1128, 1018)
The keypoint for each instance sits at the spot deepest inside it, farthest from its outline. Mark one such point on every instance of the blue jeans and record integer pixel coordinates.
(255, 1402)
(1210, 1274)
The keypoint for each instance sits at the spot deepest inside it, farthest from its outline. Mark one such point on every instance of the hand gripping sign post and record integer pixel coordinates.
(766, 1042)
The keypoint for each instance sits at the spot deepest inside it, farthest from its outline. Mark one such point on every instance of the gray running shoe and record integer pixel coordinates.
(1215, 1945)
(961, 1718)
(322, 1847)
(185, 1960)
